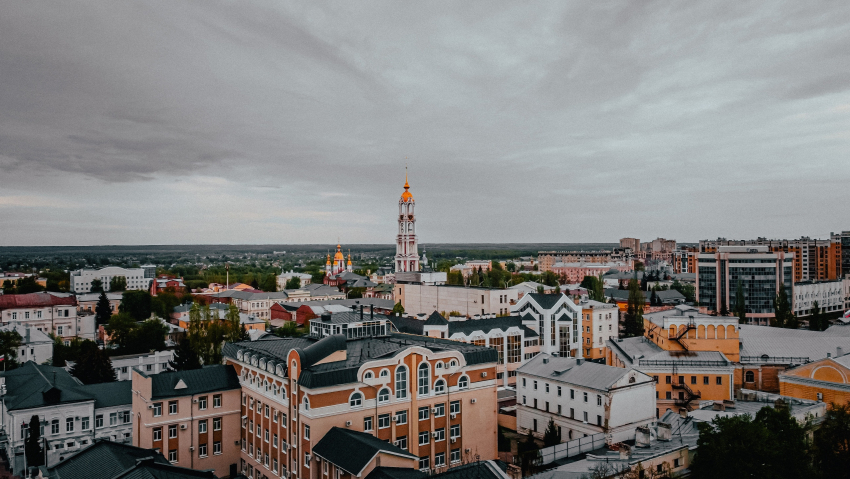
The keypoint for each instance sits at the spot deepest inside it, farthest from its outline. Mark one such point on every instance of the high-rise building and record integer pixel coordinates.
(843, 241)
(407, 247)
(814, 260)
(760, 272)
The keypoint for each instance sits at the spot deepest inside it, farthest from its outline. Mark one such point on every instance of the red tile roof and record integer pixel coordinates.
(34, 300)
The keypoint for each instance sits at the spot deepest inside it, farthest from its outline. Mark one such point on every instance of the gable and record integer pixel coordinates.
(825, 370)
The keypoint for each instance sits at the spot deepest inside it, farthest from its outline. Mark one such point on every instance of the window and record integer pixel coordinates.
(148, 367)
(463, 382)
(439, 410)
(172, 455)
(401, 417)
(439, 386)
(126, 417)
(424, 413)
(534, 425)
(750, 377)
(424, 378)
(367, 423)
(307, 459)
(572, 394)
(598, 420)
(157, 409)
(383, 396)
(217, 401)
(455, 456)
(85, 423)
(402, 442)
(172, 431)
(585, 397)
(274, 440)
(440, 459)
(368, 375)
(113, 418)
(202, 403)
(157, 434)
(523, 398)
(401, 382)
(523, 382)
(306, 432)
(69, 424)
(440, 434)
(705, 380)
(355, 400)
(383, 421)
(172, 407)
(217, 447)
(217, 424)
(424, 438)
(424, 462)
(585, 416)
(202, 426)
(454, 431)
(535, 402)
(202, 450)
(559, 391)
(535, 385)
(454, 407)
(719, 380)
(693, 379)
(266, 432)
(98, 421)
(598, 400)
(546, 386)
(668, 380)
(547, 406)
(572, 413)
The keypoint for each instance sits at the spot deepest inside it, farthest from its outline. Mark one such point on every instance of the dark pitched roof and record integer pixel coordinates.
(36, 385)
(110, 394)
(407, 325)
(350, 317)
(436, 319)
(103, 459)
(475, 470)
(354, 450)
(321, 349)
(546, 301)
(487, 324)
(529, 333)
(197, 381)
(396, 473)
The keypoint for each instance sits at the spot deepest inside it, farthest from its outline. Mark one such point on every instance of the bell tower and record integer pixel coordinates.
(407, 247)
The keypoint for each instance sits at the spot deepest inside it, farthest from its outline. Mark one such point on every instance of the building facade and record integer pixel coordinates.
(583, 398)
(600, 323)
(48, 313)
(813, 259)
(556, 319)
(433, 398)
(828, 294)
(137, 278)
(759, 271)
(191, 417)
(36, 346)
(468, 301)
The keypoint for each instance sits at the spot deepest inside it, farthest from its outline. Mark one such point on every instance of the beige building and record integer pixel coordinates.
(425, 299)
(191, 417)
(49, 313)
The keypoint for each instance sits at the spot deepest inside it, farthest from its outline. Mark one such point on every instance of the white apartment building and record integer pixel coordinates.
(600, 321)
(424, 299)
(48, 313)
(72, 415)
(151, 363)
(829, 295)
(36, 346)
(555, 318)
(583, 398)
(137, 278)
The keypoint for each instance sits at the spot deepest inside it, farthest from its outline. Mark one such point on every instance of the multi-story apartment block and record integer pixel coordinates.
(36, 346)
(843, 241)
(814, 260)
(631, 243)
(583, 398)
(546, 259)
(424, 299)
(556, 319)
(760, 272)
(434, 398)
(72, 415)
(191, 417)
(137, 278)
(48, 313)
(828, 294)
(600, 323)
(514, 341)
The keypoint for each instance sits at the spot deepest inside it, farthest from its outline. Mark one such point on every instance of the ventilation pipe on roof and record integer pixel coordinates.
(361, 312)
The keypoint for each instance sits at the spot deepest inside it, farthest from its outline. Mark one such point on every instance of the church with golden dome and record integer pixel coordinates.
(407, 246)
(338, 265)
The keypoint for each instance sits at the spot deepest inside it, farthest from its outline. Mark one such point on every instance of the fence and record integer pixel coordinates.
(571, 448)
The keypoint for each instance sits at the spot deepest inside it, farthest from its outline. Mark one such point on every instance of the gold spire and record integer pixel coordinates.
(406, 196)
(349, 257)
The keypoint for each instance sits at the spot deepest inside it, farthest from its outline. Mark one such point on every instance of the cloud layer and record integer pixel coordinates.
(269, 122)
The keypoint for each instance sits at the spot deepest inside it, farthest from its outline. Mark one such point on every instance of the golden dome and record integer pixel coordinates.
(349, 258)
(329, 259)
(339, 256)
(406, 196)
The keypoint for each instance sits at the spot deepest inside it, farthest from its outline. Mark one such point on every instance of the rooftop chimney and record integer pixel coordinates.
(665, 432)
(839, 351)
(361, 312)
(642, 436)
(579, 361)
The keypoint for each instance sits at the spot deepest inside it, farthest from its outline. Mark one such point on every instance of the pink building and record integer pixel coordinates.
(191, 417)
(575, 272)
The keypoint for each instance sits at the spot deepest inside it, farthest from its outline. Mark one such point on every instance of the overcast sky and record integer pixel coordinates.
(145, 122)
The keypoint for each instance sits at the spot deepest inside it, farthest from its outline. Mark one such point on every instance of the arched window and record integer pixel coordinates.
(439, 365)
(750, 377)
(401, 382)
(355, 400)
(463, 382)
(383, 396)
(424, 377)
(368, 375)
(385, 373)
(453, 364)
(439, 386)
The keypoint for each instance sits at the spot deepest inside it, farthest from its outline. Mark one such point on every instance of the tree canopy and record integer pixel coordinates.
(207, 332)
(117, 283)
(103, 310)
(185, 358)
(138, 304)
(33, 449)
(10, 342)
(93, 365)
(293, 283)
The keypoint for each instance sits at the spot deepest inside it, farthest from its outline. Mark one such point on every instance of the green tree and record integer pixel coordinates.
(781, 308)
(28, 285)
(639, 266)
(10, 342)
(149, 336)
(817, 321)
(529, 455)
(724, 311)
(269, 283)
(831, 444)
(771, 445)
(293, 283)
(163, 304)
(633, 318)
(93, 365)
(185, 358)
(288, 330)
(118, 283)
(33, 449)
(510, 266)
(549, 278)
(208, 332)
(121, 330)
(740, 304)
(398, 308)
(551, 436)
(96, 286)
(138, 304)
(103, 310)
